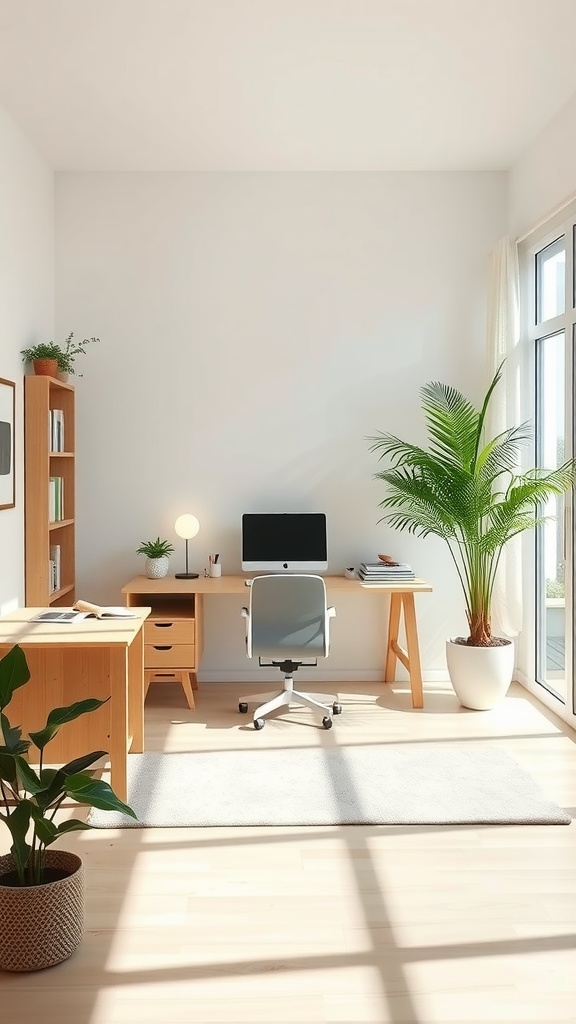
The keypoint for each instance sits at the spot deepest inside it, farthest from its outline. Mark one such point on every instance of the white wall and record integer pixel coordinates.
(27, 310)
(545, 175)
(255, 328)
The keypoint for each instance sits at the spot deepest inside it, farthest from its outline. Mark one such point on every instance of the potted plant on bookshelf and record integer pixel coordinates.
(42, 890)
(157, 557)
(465, 490)
(49, 358)
(43, 357)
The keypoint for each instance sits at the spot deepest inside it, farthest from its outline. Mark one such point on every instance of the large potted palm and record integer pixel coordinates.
(467, 491)
(42, 889)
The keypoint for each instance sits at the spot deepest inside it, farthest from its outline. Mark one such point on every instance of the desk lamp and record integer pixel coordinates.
(186, 526)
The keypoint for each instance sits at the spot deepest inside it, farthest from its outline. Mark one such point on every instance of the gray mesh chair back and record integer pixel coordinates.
(288, 617)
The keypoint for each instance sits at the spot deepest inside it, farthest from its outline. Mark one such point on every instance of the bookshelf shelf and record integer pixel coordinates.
(49, 487)
(56, 595)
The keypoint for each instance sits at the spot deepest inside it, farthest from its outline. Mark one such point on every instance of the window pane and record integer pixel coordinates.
(550, 280)
(551, 630)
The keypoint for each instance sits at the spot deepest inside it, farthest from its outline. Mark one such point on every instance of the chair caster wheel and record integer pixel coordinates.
(243, 708)
(336, 709)
(258, 723)
(327, 722)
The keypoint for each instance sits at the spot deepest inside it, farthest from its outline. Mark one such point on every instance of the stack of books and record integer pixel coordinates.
(385, 572)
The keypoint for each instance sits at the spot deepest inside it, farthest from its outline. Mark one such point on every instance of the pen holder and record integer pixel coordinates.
(215, 570)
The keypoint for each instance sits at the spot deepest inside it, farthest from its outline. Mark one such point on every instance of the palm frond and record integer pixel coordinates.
(452, 423)
(502, 453)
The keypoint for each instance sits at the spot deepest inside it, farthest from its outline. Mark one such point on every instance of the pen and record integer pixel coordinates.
(216, 557)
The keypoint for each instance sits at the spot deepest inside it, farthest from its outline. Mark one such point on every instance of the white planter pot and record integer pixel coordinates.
(480, 675)
(156, 568)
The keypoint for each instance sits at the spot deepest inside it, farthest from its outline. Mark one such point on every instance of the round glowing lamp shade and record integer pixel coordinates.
(186, 526)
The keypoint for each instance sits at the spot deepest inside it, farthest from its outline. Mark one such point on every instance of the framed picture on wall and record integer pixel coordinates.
(7, 452)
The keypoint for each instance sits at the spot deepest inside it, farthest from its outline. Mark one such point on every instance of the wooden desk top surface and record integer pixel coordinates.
(16, 628)
(236, 585)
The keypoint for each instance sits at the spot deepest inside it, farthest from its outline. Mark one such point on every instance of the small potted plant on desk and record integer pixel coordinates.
(41, 890)
(157, 560)
(464, 488)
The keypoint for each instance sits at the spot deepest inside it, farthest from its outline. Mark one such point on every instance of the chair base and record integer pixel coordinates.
(287, 698)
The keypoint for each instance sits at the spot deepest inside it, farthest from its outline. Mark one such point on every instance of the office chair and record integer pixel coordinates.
(286, 625)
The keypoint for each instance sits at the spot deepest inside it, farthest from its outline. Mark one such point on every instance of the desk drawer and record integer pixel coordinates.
(165, 632)
(168, 656)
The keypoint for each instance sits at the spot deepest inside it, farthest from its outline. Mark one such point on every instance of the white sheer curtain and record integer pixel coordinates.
(504, 411)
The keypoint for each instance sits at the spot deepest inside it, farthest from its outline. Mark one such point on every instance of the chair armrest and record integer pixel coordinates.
(330, 613)
(246, 615)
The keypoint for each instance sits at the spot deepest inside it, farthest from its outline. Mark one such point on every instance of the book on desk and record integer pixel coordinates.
(83, 610)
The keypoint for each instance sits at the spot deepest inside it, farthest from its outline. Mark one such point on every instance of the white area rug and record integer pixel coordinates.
(387, 785)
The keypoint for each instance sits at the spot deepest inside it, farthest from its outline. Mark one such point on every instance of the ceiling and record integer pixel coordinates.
(283, 85)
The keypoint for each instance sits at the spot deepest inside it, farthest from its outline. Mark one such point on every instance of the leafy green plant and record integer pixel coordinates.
(45, 350)
(71, 350)
(29, 799)
(466, 491)
(155, 548)
(64, 355)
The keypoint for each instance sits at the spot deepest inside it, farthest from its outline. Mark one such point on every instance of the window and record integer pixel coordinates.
(548, 331)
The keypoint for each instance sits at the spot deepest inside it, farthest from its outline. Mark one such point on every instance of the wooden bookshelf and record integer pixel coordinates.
(41, 395)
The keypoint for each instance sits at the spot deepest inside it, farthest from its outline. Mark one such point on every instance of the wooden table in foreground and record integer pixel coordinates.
(174, 600)
(73, 661)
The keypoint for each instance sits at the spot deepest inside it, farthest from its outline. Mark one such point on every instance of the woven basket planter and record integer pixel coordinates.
(41, 925)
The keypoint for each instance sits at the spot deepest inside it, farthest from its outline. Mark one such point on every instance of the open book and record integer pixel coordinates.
(83, 610)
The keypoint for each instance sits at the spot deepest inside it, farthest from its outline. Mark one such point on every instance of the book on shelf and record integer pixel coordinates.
(83, 610)
(56, 430)
(55, 561)
(55, 499)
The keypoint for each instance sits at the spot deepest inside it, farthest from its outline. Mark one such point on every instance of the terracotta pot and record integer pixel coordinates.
(41, 925)
(45, 367)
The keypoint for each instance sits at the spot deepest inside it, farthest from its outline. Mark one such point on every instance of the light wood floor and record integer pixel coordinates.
(331, 924)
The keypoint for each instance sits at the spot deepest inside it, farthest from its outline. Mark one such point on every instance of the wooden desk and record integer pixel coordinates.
(184, 599)
(73, 661)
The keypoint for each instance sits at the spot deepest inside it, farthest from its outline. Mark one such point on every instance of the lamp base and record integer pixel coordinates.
(186, 575)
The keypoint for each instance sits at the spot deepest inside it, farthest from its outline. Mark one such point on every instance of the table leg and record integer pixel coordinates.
(119, 721)
(392, 641)
(136, 693)
(413, 651)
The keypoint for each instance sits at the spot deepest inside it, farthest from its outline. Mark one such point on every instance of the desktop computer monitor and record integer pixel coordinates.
(284, 542)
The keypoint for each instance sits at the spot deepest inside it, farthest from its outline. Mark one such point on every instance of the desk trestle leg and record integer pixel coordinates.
(410, 657)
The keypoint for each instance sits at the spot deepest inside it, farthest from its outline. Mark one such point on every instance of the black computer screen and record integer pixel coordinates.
(284, 540)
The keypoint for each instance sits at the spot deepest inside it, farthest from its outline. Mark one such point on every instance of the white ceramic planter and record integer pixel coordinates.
(480, 675)
(156, 568)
